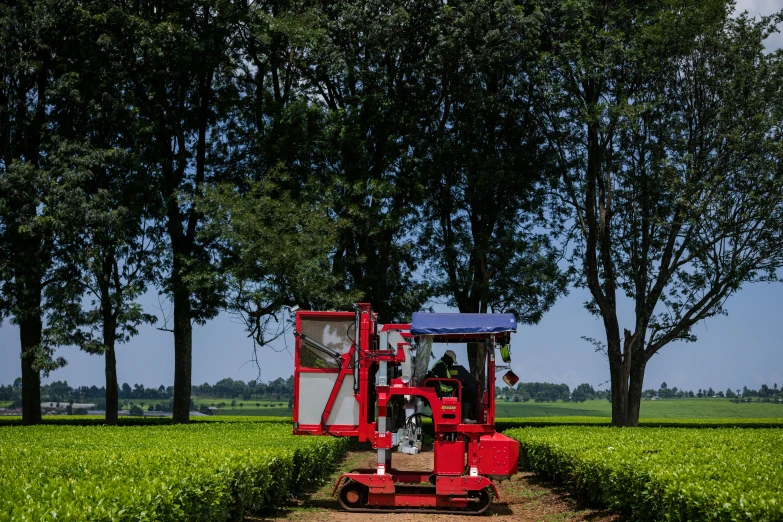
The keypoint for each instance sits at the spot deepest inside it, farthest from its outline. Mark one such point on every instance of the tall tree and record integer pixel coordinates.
(111, 244)
(186, 55)
(369, 74)
(485, 168)
(30, 37)
(273, 230)
(666, 120)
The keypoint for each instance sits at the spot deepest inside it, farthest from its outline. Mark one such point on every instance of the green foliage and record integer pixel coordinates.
(255, 155)
(582, 393)
(485, 171)
(33, 182)
(543, 391)
(107, 246)
(509, 423)
(371, 76)
(207, 471)
(664, 474)
(274, 252)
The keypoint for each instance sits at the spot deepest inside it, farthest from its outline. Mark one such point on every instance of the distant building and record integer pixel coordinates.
(63, 405)
(157, 414)
(122, 413)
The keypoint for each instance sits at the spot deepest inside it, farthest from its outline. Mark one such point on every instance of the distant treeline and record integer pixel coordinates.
(763, 393)
(548, 392)
(62, 392)
(279, 389)
(229, 388)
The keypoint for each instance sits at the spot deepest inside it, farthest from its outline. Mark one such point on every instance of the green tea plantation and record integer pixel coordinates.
(203, 471)
(726, 474)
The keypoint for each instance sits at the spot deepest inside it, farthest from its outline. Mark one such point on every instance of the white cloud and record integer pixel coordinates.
(763, 8)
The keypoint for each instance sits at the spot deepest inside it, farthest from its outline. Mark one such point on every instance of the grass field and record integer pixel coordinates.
(663, 409)
(249, 407)
(258, 412)
(252, 407)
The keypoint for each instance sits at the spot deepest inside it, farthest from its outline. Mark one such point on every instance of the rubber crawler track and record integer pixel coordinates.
(357, 507)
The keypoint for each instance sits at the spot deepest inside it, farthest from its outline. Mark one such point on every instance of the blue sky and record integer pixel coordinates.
(743, 349)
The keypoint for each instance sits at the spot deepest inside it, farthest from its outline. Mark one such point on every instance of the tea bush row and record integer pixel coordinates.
(203, 471)
(501, 424)
(507, 423)
(96, 420)
(651, 474)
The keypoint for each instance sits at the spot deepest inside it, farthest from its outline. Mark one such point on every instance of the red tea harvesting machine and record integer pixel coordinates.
(355, 377)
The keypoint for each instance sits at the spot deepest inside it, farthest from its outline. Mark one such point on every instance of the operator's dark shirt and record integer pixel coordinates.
(469, 384)
(439, 370)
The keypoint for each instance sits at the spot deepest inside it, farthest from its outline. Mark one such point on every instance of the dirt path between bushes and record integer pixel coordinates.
(523, 498)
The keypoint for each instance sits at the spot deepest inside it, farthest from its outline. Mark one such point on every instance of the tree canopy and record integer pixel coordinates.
(665, 118)
(251, 156)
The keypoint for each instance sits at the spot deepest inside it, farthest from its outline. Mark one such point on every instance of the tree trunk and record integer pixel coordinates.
(30, 336)
(619, 392)
(627, 377)
(109, 331)
(636, 384)
(477, 360)
(477, 353)
(112, 391)
(183, 354)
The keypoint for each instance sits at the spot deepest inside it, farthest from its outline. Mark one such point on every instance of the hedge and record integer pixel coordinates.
(652, 474)
(204, 471)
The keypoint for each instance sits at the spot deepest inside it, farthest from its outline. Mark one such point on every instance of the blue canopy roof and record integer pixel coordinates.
(460, 324)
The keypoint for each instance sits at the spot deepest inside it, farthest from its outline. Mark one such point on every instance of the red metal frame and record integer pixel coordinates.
(298, 368)
(483, 452)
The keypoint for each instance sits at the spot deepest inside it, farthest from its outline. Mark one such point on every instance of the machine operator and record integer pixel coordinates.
(445, 368)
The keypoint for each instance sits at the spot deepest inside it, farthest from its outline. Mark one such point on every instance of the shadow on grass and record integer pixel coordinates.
(596, 511)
